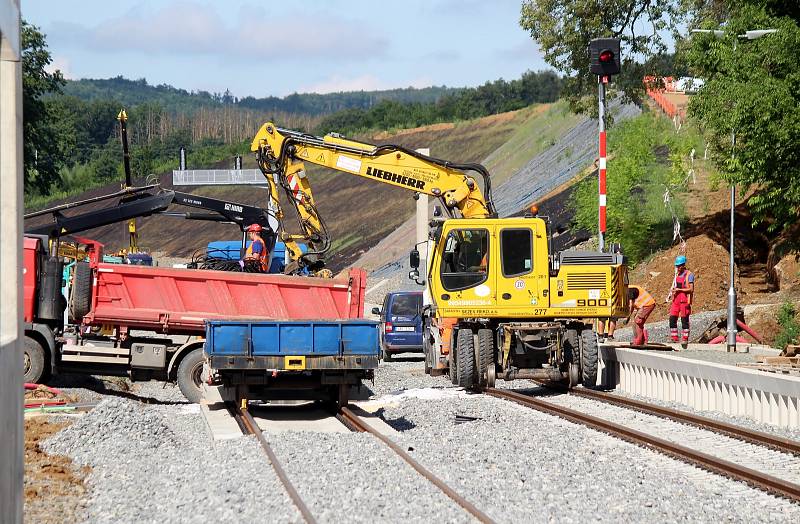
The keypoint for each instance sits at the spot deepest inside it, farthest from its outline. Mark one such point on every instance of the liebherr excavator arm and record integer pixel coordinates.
(281, 154)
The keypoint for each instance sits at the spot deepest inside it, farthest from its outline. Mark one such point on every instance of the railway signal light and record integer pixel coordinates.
(604, 55)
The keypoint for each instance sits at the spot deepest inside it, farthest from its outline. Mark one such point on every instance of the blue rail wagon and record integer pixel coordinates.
(309, 359)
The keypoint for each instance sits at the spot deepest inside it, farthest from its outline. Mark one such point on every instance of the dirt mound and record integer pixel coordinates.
(707, 259)
(54, 486)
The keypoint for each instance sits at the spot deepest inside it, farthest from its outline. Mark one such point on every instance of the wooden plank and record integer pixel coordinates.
(777, 360)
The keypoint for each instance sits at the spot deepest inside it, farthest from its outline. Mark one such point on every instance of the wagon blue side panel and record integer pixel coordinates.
(359, 338)
(326, 339)
(228, 339)
(281, 338)
(265, 338)
(296, 339)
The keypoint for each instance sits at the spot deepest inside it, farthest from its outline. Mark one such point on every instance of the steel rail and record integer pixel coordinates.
(717, 465)
(250, 427)
(783, 444)
(350, 419)
(760, 438)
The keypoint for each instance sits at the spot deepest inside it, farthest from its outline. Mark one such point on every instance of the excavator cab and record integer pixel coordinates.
(503, 268)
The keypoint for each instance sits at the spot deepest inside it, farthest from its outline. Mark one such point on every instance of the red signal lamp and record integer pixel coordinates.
(604, 56)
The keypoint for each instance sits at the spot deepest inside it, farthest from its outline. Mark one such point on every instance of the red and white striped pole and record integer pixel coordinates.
(603, 80)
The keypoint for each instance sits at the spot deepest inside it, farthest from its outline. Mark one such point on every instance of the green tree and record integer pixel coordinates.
(637, 216)
(753, 89)
(563, 29)
(41, 163)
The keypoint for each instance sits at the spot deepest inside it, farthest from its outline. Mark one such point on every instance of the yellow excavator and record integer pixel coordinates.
(504, 304)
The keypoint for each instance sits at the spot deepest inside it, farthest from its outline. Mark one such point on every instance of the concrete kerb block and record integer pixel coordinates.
(765, 397)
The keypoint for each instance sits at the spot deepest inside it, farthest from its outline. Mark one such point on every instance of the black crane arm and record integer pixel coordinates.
(136, 204)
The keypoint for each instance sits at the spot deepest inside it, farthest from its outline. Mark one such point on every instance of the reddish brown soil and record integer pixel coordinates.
(54, 487)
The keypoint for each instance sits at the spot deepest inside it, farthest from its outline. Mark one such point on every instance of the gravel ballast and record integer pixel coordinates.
(353, 477)
(522, 466)
(157, 464)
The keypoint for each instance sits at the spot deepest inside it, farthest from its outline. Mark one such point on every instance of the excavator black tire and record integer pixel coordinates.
(465, 358)
(452, 367)
(589, 357)
(485, 354)
(572, 351)
(80, 298)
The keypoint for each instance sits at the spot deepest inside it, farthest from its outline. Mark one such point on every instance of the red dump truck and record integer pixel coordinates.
(148, 322)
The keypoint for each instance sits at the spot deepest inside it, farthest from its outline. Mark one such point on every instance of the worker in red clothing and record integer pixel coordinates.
(681, 301)
(642, 304)
(257, 255)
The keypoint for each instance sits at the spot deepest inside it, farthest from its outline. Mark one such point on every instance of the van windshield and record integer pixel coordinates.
(406, 305)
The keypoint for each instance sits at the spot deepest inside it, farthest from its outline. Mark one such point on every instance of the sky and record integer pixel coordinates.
(279, 48)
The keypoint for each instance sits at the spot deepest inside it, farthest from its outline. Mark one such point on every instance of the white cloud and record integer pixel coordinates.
(62, 64)
(339, 83)
(191, 28)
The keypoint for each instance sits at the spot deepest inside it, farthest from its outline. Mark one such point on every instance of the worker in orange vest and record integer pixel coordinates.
(257, 254)
(681, 298)
(642, 303)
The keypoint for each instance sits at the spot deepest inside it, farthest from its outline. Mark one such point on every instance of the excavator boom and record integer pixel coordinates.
(281, 154)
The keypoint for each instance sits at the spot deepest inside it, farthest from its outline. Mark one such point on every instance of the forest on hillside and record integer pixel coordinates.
(72, 134)
(135, 92)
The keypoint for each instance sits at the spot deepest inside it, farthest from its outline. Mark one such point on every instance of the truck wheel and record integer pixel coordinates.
(33, 361)
(190, 373)
(589, 358)
(485, 354)
(465, 358)
(80, 298)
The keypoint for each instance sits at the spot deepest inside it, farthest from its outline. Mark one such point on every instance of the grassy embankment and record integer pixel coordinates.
(648, 159)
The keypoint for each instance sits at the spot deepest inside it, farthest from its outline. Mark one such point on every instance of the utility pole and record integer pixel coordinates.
(731, 324)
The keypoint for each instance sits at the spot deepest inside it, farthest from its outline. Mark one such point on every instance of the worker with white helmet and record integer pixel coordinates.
(257, 254)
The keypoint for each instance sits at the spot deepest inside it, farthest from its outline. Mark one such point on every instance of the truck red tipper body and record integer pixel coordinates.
(125, 319)
(181, 300)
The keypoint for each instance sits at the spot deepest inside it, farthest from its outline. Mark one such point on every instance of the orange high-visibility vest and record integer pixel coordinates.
(263, 257)
(644, 299)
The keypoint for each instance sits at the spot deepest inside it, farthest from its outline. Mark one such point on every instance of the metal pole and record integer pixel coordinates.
(601, 230)
(731, 342)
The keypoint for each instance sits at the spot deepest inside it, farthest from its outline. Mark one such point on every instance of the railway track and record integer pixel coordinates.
(354, 422)
(767, 481)
(250, 427)
(759, 438)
